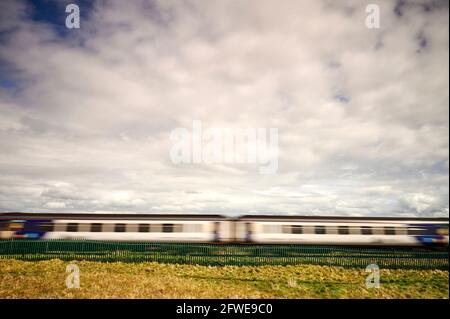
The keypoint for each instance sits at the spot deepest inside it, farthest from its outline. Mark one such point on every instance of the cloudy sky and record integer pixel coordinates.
(362, 114)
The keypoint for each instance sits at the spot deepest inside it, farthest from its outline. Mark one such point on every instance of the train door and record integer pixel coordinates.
(216, 232)
(248, 232)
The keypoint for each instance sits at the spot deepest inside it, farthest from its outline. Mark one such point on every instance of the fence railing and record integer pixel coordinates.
(223, 254)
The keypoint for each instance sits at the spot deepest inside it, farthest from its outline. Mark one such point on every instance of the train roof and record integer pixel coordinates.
(109, 216)
(338, 218)
(87, 216)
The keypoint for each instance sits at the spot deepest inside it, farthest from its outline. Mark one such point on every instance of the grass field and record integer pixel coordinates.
(46, 279)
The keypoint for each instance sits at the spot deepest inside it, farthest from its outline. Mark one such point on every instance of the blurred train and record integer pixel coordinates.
(357, 231)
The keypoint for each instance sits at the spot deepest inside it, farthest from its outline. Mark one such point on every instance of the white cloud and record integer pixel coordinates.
(362, 114)
(54, 205)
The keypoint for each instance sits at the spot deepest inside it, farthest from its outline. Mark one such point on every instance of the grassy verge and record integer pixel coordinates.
(46, 279)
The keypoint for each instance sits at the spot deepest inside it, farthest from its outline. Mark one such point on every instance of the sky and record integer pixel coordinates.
(362, 114)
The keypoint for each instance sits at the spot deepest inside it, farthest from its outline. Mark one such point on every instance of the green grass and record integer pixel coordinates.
(46, 279)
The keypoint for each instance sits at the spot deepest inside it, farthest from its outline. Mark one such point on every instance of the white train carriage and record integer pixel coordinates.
(133, 230)
(342, 231)
(148, 228)
(215, 228)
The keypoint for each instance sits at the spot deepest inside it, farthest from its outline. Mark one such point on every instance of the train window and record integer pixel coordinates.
(389, 230)
(415, 231)
(119, 228)
(343, 230)
(30, 226)
(296, 229)
(320, 230)
(3, 226)
(144, 228)
(167, 228)
(96, 228)
(72, 227)
(366, 230)
(46, 226)
(248, 227)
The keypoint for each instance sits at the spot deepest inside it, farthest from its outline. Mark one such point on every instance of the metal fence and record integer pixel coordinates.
(223, 254)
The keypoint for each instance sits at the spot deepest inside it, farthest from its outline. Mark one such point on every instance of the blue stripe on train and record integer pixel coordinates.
(430, 236)
(31, 230)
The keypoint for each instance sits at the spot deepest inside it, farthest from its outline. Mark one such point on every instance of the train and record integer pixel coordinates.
(248, 229)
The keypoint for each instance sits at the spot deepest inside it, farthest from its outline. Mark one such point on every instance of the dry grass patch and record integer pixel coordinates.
(46, 279)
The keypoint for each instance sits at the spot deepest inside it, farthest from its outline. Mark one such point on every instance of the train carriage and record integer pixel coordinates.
(343, 230)
(115, 227)
(219, 229)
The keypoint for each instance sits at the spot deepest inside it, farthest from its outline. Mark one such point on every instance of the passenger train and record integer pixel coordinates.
(263, 229)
